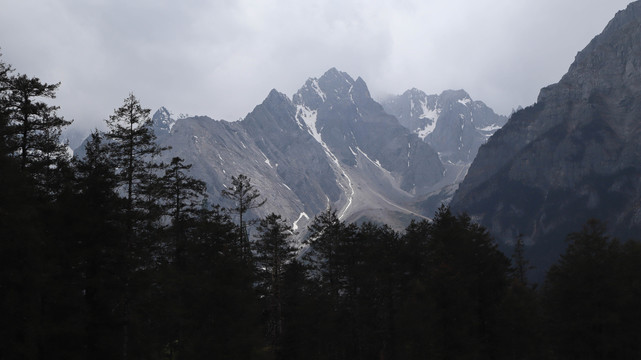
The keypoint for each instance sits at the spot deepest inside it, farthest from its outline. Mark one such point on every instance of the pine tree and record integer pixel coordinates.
(580, 296)
(415, 319)
(628, 283)
(468, 276)
(5, 111)
(219, 312)
(245, 198)
(520, 262)
(31, 295)
(184, 193)
(183, 196)
(98, 228)
(273, 252)
(332, 255)
(33, 130)
(133, 149)
(180, 198)
(21, 264)
(520, 319)
(324, 240)
(374, 274)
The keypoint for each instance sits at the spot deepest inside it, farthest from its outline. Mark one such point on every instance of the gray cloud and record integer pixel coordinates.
(221, 58)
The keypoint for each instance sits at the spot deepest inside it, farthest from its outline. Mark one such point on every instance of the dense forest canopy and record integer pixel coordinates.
(117, 255)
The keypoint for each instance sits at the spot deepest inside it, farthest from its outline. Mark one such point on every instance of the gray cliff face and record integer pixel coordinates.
(283, 162)
(573, 155)
(451, 123)
(298, 158)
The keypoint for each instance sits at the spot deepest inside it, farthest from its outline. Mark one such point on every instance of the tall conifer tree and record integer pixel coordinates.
(133, 149)
(34, 125)
(245, 197)
(325, 238)
(183, 196)
(5, 85)
(273, 251)
(100, 237)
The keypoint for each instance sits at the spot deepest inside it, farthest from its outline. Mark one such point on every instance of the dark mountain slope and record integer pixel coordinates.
(573, 155)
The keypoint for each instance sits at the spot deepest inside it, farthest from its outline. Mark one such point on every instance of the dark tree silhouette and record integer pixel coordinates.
(587, 302)
(324, 240)
(132, 147)
(32, 129)
(183, 196)
(273, 252)
(245, 198)
(99, 227)
(520, 263)
(5, 111)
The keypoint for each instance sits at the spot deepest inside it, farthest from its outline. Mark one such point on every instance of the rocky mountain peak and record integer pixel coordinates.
(336, 85)
(163, 120)
(276, 113)
(334, 76)
(455, 96)
(276, 99)
(275, 95)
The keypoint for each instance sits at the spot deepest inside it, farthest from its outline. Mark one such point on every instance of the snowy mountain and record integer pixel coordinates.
(331, 144)
(451, 123)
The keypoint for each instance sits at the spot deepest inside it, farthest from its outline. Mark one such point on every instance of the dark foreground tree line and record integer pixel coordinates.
(119, 256)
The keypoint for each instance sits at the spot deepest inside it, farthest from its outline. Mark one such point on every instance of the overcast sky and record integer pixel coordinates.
(221, 58)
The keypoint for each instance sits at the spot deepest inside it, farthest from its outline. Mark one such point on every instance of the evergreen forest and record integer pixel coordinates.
(117, 255)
